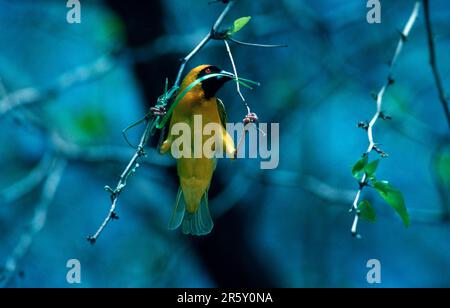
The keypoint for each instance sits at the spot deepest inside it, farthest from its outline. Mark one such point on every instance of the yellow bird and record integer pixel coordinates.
(191, 210)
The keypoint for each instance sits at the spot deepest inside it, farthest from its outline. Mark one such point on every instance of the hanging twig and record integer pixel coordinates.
(433, 61)
(379, 112)
(254, 44)
(238, 86)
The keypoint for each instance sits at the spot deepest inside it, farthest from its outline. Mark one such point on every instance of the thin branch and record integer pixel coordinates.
(129, 170)
(255, 45)
(37, 222)
(238, 86)
(202, 44)
(433, 62)
(379, 112)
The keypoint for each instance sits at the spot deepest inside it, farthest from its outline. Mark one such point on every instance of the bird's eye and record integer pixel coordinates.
(208, 71)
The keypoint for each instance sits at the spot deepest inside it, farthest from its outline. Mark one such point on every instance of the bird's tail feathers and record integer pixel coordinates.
(178, 211)
(198, 223)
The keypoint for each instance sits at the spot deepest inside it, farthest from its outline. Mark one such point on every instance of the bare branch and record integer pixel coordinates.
(379, 112)
(37, 222)
(433, 61)
(129, 170)
(238, 86)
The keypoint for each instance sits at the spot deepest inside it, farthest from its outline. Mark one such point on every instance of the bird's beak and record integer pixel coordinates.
(227, 75)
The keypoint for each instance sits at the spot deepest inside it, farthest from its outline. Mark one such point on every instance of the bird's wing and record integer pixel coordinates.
(222, 112)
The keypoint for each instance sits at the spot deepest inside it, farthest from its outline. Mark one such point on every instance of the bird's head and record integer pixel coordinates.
(209, 86)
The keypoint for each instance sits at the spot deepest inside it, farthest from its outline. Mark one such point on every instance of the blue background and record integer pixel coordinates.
(288, 227)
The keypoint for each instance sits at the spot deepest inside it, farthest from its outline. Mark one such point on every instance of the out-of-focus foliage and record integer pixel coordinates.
(271, 228)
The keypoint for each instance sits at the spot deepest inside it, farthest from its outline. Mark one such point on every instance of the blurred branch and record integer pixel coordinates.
(336, 195)
(30, 96)
(28, 183)
(105, 153)
(93, 71)
(433, 62)
(379, 112)
(37, 222)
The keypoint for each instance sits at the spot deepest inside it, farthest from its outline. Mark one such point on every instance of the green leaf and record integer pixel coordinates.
(359, 166)
(239, 24)
(366, 211)
(442, 167)
(371, 168)
(394, 198)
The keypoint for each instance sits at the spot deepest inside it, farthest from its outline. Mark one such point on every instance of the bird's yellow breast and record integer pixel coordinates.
(195, 173)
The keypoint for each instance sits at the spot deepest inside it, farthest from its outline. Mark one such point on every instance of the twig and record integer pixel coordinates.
(129, 170)
(202, 44)
(433, 61)
(238, 86)
(37, 222)
(379, 112)
(253, 44)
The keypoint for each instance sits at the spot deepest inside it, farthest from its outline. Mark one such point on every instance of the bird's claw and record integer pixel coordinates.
(250, 118)
(158, 111)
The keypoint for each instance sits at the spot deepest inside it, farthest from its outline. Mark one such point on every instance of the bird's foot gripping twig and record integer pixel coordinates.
(158, 111)
(250, 118)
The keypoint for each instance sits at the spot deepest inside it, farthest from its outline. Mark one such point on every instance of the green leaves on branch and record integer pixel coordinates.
(359, 167)
(365, 171)
(363, 166)
(442, 168)
(366, 211)
(371, 168)
(394, 198)
(238, 25)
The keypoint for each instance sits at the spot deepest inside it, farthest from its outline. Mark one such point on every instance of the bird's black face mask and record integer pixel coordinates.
(212, 85)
